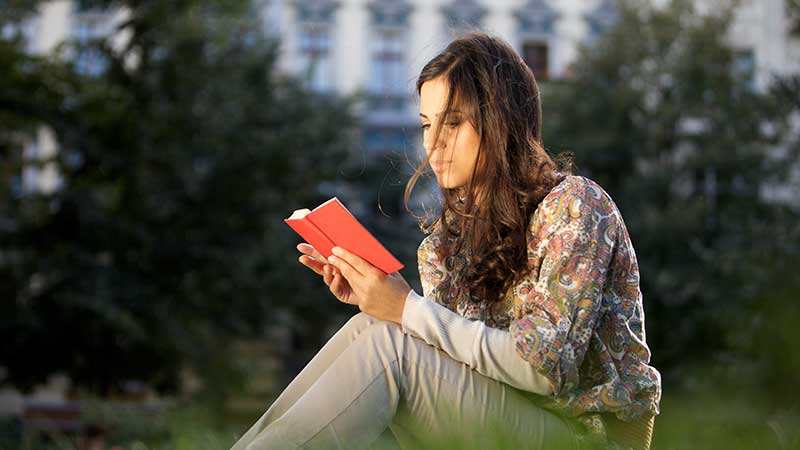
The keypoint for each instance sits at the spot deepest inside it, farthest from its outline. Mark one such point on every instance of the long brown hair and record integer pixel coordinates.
(491, 84)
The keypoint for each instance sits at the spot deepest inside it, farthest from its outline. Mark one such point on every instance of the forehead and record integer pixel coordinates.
(433, 97)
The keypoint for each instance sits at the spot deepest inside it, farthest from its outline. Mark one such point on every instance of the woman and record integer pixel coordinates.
(531, 321)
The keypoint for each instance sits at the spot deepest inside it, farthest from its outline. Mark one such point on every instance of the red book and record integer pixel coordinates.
(332, 225)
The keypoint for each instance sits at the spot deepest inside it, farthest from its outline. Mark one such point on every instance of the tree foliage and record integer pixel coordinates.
(179, 161)
(659, 113)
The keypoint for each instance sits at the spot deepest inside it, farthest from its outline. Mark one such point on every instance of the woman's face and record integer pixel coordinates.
(453, 158)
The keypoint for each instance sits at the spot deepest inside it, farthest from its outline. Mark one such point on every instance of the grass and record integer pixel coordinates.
(744, 420)
(733, 422)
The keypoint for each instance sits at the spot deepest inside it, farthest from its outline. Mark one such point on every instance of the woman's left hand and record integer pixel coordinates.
(381, 296)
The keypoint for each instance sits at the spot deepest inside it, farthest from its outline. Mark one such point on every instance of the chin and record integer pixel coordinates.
(447, 183)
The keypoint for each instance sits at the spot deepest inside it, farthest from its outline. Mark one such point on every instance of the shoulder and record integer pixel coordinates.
(576, 199)
(574, 195)
(574, 189)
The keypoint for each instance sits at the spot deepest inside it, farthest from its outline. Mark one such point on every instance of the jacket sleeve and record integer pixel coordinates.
(487, 350)
(555, 308)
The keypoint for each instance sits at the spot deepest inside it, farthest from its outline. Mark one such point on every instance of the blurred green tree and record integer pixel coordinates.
(667, 117)
(793, 13)
(179, 155)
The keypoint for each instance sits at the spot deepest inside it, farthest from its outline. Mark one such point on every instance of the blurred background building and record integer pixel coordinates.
(377, 48)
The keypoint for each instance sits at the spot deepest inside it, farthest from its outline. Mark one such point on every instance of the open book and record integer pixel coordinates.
(332, 225)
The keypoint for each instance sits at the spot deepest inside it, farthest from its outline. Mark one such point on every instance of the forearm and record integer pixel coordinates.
(487, 350)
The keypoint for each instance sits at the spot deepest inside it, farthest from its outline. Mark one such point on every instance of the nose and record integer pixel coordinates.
(428, 141)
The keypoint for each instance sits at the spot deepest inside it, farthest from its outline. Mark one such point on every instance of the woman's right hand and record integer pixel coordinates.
(332, 277)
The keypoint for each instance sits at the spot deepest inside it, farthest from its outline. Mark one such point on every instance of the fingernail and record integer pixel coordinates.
(335, 250)
(331, 258)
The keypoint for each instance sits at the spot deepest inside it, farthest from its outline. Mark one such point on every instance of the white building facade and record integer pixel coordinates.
(378, 47)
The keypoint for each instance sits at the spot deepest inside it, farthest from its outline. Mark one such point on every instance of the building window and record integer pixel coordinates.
(535, 55)
(603, 17)
(535, 28)
(315, 57)
(389, 12)
(536, 17)
(388, 76)
(387, 111)
(387, 61)
(463, 15)
(315, 47)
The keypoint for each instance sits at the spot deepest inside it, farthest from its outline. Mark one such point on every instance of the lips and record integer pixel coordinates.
(438, 166)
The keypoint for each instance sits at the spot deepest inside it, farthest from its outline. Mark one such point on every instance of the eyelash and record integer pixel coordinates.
(451, 124)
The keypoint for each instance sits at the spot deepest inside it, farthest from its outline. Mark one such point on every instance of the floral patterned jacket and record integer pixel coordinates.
(578, 317)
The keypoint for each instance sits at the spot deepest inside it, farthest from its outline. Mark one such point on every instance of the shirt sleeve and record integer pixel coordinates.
(489, 351)
(556, 307)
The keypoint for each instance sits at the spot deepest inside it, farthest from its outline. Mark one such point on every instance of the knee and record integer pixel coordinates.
(359, 322)
(382, 336)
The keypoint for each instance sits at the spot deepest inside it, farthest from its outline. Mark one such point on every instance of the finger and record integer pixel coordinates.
(347, 271)
(328, 274)
(358, 263)
(334, 271)
(312, 264)
(309, 250)
(336, 285)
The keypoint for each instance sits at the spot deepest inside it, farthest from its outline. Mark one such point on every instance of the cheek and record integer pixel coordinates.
(470, 156)
(463, 146)
(461, 168)
(463, 153)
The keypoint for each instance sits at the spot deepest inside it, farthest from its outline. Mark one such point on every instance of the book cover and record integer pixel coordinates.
(331, 224)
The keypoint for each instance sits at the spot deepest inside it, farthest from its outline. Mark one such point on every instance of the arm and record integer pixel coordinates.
(489, 351)
(557, 307)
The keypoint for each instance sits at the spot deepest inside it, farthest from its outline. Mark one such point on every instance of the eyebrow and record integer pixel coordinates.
(452, 111)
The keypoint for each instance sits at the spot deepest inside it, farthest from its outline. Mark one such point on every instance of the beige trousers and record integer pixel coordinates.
(370, 376)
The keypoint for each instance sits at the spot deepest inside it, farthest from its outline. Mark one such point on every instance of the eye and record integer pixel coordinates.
(453, 124)
(425, 126)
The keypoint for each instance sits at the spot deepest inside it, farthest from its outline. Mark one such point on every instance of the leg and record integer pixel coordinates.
(386, 378)
(449, 405)
(316, 367)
